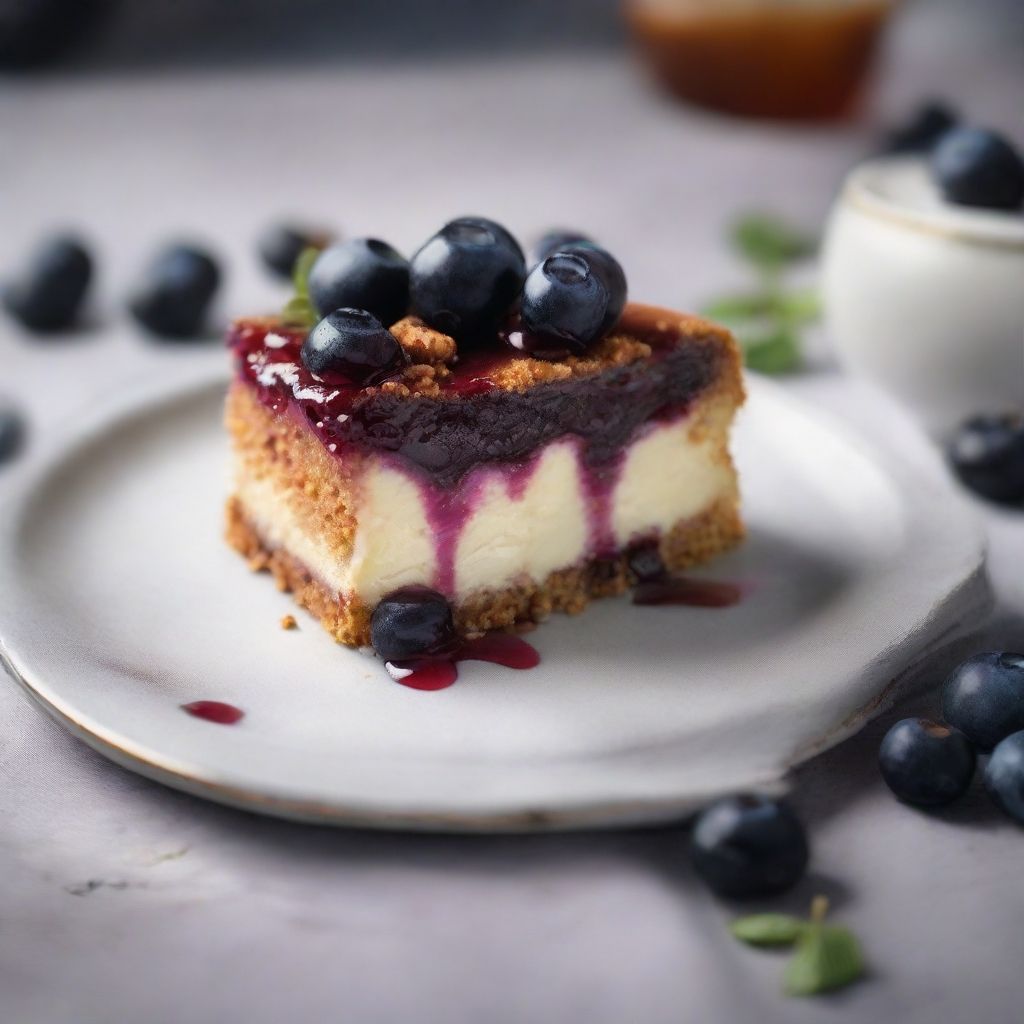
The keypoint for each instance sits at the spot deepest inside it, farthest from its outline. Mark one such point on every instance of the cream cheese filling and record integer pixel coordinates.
(504, 534)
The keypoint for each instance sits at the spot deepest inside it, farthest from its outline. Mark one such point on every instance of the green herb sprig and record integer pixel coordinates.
(767, 321)
(299, 310)
(826, 956)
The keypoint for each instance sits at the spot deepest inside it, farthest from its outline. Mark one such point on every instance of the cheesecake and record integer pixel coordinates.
(501, 467)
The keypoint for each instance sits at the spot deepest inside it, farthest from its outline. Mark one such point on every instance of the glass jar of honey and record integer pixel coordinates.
(791, 59)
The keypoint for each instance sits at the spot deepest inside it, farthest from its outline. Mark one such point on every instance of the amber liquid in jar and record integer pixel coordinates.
(800, 59)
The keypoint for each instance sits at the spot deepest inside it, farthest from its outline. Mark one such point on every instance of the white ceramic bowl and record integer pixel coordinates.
(923, 297)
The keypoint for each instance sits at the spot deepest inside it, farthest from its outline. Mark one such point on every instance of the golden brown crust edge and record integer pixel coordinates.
(687, 544)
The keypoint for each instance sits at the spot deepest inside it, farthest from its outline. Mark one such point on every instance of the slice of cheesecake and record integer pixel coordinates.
(512, 485)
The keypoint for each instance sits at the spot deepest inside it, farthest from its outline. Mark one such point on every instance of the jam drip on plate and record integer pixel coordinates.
(439, 673)
(214, 711)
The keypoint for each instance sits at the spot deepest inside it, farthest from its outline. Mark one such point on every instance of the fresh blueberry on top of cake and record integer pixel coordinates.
(516, 441)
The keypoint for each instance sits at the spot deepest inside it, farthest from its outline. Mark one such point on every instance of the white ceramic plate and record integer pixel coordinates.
(121, 602)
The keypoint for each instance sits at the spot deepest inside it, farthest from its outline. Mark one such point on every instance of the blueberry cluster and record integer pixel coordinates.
(171, 300)
(972, 166)
(469, 281)
(929, 763)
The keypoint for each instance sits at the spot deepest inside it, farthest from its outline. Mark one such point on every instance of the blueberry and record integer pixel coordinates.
(49, 293)
(1004, 775)
(645, 562)
(920, 133)
(466, 279)
(282, 244)
(746, 846)
(925, 763)
(984, 697)
(555, 240)
(608, 268)
(354, 343)
(976, 167)
(563, 298)
(176, 291)
(987, 454)
(12, 433)
(362, 273)
(413, 622)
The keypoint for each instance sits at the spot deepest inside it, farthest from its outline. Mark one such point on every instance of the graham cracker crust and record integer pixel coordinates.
(689, 543)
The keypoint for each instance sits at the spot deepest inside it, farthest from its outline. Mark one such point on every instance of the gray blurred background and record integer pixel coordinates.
(132, 34)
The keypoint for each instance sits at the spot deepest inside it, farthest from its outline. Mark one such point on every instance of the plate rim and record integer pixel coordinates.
(971, 594)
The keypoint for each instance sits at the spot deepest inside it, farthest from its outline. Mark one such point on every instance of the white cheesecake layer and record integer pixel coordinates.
(497, 534)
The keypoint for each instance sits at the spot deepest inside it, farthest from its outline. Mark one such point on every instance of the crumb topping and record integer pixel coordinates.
(422, 343)
(436, 366)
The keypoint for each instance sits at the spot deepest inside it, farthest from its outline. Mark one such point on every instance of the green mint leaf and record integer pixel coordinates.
(774, 353)
(299, 312)
(768, 242)
(827, 957)
(300, 272)
(800, 307)
(733, 308)
(768, 929)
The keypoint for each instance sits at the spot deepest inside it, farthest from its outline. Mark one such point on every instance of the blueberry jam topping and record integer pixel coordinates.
(48, 293)
(466, 279)
(564, 300)
(362, 273)
(444, 439)
(282, 244)
(925, 763)
(175, 294)
(976, 167)
(411, 623)
(353, 344)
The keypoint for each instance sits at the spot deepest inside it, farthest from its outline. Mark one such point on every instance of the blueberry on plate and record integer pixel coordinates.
(355, 344)
(12, 433)
(467, 278)
(413, 622)
(987, 454)
(176, 291)
(745, 846)
(984, 697)
(49, 292)
(563, 298)
(282, 244)
(925, 127)
(362, 273)
(1004, 775)
(977, 167)
(555, 240)
(645, 562)
(925, 763)
(608, 268)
